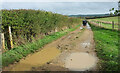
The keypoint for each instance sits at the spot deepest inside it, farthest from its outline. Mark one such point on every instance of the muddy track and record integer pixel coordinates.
(73, 52)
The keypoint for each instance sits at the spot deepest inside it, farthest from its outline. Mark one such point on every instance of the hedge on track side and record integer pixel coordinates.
(29, 24)
(15, 54)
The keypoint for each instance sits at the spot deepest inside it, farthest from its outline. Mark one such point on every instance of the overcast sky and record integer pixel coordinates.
(66, 8)
(59, 0)
(71, 8)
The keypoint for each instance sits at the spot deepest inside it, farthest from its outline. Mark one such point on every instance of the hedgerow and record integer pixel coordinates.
(17, 53)
(30, 30)
(28, 24)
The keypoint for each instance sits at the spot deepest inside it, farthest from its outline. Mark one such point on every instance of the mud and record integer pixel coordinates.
(73, 52)
(37, 59)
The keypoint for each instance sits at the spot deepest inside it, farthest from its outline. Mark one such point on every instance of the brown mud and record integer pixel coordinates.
(73, 52)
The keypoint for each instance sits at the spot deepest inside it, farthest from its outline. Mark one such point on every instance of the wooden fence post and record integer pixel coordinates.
(2, 42)
(56, 29)
(112, 25)
(9, 41)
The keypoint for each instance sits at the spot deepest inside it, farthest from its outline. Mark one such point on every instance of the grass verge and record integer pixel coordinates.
(107, 48)
(15, 54)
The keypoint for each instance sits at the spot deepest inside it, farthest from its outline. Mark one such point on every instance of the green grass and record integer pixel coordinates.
(115, 19)
(15, 54)
(107, 47)
(108, 26)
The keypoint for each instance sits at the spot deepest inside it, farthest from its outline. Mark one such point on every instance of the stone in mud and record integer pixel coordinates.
(87, 51)
(66, 48)
(51, 63)
(81, 28)
(76, 37)
(48, 62)
(59, 47)
(66, 45)
(33, 68)
(85, 46)
(43, 69)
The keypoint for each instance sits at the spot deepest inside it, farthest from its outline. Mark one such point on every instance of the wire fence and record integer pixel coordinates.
(105, 24)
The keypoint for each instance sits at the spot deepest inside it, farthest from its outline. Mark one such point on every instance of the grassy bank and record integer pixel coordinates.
(107, 47)
(15, 54)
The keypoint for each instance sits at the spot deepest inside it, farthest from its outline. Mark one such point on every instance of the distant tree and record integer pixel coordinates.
(111, 13)
(115, 12)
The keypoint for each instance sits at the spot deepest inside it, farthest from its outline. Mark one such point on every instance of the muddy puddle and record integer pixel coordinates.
(80, 62)
(37, 59)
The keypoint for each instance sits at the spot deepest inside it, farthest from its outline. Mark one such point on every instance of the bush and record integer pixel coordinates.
(28, 24)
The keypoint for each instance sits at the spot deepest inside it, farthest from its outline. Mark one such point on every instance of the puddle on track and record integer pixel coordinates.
(80, 62)
(37, 59)
(88, 26)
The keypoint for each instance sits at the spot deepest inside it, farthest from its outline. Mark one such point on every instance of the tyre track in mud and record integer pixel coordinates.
(73, 52)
